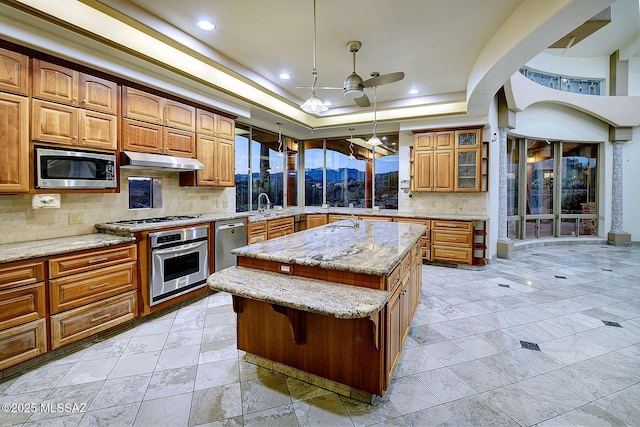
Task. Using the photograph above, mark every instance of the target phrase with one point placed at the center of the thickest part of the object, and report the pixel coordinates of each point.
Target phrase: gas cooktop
(156, 220)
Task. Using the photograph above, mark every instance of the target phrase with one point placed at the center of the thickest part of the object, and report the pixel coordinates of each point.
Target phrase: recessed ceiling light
(414, 91)
(285, 76)
(206, 25)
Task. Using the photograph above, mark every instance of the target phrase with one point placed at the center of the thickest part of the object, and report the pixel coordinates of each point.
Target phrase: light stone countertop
(311, 295)
(374, 248)
(40, 248)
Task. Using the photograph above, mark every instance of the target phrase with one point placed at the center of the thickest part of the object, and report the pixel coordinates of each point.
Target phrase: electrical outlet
(76, 218)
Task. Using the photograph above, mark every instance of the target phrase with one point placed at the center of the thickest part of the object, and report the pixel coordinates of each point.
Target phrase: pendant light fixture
(314, 104)
(351, 156)
(280, 152)
(374, 140)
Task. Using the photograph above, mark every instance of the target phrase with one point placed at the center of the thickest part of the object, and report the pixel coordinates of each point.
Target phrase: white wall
(634, 77)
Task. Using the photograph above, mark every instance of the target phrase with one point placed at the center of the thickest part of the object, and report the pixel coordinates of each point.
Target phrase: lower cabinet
(73, 325)
(315, 220)
(279, 227)
(256, 232)
(453, 241)
(91, 291)
(23, 323)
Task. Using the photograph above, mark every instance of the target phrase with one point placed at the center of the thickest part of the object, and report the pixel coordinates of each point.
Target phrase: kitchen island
(335, 301)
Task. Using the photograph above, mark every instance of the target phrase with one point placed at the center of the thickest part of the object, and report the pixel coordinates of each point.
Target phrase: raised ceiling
(444, 48)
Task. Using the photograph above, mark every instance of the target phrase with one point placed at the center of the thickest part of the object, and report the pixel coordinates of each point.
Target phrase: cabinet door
(444, 140)
(98, 94)
(178, 143)
(14, 155)
(225, 127)
(22, 343)
(98, 130)
(14, 72)
(443, 170)
(394, 338)
(423, 141)
(54, 123)
(316, 220)
(55, 83)
(423, 172)
(141, 137)
(140, 105)
(206, 153)
(179, 116)
(22, 304)
(467, 170)
(205, 122)
(468, 138)
(225, 163)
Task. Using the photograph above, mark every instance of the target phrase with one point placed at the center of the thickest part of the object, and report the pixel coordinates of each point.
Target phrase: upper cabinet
(209, 123)
(153, 124)
(14, 73)
(14, 156)
(73, 108)
(63, 85)
(447, 160)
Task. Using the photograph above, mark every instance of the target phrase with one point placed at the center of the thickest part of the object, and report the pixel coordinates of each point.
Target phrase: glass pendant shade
(374, 140)
(314, 105)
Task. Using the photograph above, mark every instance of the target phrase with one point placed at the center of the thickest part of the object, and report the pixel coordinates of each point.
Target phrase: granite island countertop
(374, 248)
(311, 295)
(41, 248)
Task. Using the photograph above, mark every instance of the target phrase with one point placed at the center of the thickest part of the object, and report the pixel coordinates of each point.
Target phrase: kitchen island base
(318, 381)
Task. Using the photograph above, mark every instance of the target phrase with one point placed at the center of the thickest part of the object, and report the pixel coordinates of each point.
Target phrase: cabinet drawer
(257, 227)
(22, 343)
(457, 225)
(272, 224)
(452, 254)
(84, 288)
(90, 319)
(21, 305)
(255, 238)
(77, 263)
(21, 273)
(453, 238)
(338, 217)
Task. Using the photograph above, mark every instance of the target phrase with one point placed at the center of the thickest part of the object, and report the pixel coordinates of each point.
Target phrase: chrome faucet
(260, 207)
(354, 220)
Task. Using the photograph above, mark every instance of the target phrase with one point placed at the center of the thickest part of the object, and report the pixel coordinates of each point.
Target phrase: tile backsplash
(19, 222)
(444, 203)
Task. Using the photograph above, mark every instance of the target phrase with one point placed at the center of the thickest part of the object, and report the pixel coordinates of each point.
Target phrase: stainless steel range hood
(132, 160)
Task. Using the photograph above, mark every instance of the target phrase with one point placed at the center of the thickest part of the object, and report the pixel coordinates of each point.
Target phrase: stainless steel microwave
(74, 169)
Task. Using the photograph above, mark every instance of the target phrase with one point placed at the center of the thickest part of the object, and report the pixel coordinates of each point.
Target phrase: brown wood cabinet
(153, 124)
(23, 332)
(279, 227)
(447, 161)
(315, 220)
(72, 325)
(14, 156)
(14, 73)
(218, 157)
(212, 124)
(62, 124)
(63, 85)
(256, 232)
(452, 241)
(91, 291)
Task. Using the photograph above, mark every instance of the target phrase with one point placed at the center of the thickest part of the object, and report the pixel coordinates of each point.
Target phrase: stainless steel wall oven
(179, 262)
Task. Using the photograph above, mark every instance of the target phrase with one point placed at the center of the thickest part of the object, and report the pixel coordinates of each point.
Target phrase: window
(346, 178)
(387, 168)
(567, 209)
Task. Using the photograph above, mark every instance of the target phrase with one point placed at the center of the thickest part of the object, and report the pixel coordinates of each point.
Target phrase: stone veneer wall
(19, 222)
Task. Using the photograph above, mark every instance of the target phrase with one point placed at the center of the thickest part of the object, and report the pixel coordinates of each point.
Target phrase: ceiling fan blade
(383, 79)
(317, 87)
(363, 101)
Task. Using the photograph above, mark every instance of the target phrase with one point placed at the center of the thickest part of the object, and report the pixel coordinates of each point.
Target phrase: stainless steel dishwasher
(229, 234)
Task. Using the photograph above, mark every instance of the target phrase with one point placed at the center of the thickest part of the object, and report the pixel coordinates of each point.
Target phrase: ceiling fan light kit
(314, 105)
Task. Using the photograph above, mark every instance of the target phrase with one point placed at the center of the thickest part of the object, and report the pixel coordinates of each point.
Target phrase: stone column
(505, 244)
(617, 236)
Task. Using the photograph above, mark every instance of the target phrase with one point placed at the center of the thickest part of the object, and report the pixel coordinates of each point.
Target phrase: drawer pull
(101, 285)
(97, 260)
(96, 319)
(451, 255)
(451, 238)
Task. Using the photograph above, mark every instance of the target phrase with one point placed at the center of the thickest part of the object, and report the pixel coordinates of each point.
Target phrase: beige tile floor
(463, 363)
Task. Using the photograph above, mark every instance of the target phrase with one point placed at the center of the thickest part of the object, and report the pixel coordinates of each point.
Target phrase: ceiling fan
(354, 86)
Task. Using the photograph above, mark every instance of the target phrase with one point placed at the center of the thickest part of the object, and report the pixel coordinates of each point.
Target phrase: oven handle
(178, 249)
